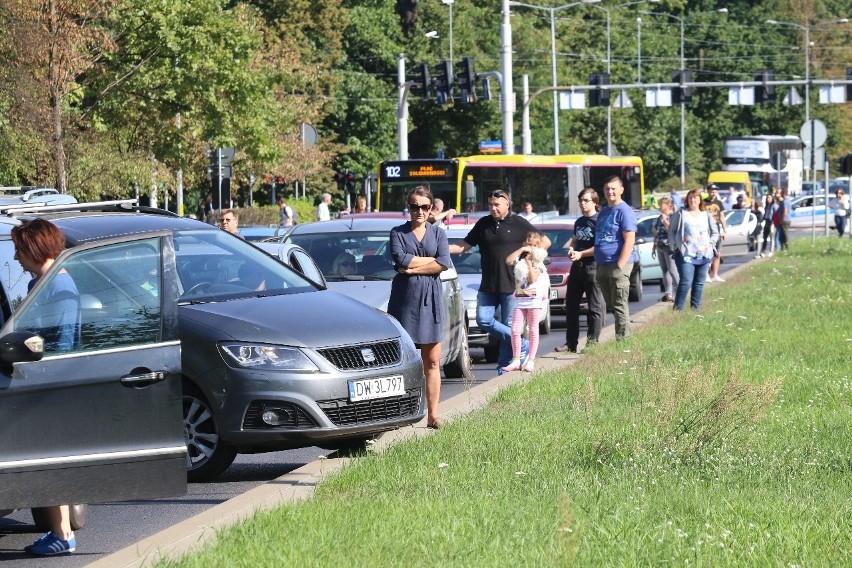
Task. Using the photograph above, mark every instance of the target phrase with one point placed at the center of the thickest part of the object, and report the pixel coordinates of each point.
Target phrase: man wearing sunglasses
(498, 235)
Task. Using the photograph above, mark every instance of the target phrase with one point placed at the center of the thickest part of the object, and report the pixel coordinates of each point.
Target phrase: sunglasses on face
(425, 207)
(586, 200)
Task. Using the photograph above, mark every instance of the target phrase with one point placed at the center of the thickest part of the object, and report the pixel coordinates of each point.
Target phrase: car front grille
(344, 413)
(292, 416)
(357, 357)
(556, 279)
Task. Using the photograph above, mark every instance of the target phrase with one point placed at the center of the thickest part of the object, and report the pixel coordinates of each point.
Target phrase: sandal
(514, 365)
(435, 424)
(529, 367)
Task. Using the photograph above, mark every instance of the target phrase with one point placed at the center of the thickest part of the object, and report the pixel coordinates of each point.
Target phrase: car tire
(635, 294)
(492, 353)
(79, 514)
(545, 323)
(207, 454)
(460, 367)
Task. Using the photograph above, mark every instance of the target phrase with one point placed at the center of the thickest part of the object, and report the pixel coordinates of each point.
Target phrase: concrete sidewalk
(299, 484)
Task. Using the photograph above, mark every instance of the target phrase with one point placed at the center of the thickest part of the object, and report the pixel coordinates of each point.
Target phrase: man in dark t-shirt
(498, 235)
(583, 277)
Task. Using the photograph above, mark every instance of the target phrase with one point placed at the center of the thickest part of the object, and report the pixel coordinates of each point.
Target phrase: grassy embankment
(713, 438)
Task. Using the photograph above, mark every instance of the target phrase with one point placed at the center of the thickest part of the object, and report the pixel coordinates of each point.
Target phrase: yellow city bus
(550, 183)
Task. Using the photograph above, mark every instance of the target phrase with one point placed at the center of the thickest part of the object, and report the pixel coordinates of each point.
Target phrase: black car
(270, 360)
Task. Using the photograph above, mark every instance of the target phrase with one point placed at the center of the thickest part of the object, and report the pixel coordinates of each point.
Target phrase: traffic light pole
(506, 92)
(219, 173)
(402, 108)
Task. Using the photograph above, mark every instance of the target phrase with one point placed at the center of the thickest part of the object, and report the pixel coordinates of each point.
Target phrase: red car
(559, 231)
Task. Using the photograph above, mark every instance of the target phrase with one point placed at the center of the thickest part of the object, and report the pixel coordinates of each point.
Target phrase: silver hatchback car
(362, 241)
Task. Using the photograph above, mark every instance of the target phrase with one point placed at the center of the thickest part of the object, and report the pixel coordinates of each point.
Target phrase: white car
(803, 214)
(740, 237)
(645, 247)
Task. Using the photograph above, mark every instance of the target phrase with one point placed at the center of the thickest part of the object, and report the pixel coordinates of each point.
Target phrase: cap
(712, 186)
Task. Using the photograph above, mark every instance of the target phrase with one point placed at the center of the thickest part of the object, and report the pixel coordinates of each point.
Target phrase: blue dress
(417, 301)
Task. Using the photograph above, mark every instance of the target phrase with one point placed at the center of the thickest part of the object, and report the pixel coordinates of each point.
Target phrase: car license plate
(379, 387)
(553, 295)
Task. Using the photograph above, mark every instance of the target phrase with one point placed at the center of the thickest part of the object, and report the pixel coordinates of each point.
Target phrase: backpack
(293, 215)
(776, 218)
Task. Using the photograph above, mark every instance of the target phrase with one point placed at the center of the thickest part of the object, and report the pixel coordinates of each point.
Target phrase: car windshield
(467, 262)
(559, 238)
(351, 255)
(216, 266)
(736, 216)
(644, 229)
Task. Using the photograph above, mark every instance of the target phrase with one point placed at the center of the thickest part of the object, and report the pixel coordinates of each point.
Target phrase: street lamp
(553, 57)
(609, 62)
(449, 4)
(807, 30)
(683, 105)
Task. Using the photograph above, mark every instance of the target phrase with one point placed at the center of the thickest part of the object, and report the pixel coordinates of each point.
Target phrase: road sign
(819, 158)
(814, 133)
(778, 161)
(491, 146)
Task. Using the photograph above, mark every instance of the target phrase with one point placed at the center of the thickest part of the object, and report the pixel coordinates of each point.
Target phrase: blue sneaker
(500, 371)
(525, 351)
(51, 545)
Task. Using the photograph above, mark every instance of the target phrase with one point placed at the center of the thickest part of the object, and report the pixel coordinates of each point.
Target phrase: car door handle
(142, 379)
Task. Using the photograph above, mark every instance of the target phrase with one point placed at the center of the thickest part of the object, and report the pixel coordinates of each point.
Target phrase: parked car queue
(270, 360)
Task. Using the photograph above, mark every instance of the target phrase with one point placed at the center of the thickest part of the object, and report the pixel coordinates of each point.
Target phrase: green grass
(713, 438)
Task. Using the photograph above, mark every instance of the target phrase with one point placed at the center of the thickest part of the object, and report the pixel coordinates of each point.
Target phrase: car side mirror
(641, 241)
(21, 347)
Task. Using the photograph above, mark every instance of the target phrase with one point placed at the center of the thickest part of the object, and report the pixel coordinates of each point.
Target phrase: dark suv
(270, 360)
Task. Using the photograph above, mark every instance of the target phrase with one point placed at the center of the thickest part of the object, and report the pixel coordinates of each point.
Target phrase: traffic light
(466, 79)
(849, 85)
(444, 82)
(340, 179)
(764, 93)
(350, 181)
(682, 95)
(423, 85)
(599, 97)
(844, 164)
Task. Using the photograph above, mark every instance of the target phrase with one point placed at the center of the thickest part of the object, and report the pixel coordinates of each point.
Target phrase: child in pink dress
(531, 288)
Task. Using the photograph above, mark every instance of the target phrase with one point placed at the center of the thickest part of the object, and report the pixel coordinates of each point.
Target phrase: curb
(299, 484)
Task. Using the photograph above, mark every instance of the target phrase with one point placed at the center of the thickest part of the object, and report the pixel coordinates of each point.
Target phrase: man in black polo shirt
(498, 235)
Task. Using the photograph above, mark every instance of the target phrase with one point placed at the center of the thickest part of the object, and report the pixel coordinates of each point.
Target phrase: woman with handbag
(693, 236)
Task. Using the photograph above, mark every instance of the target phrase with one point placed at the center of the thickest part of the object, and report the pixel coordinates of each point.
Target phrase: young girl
(531, 286)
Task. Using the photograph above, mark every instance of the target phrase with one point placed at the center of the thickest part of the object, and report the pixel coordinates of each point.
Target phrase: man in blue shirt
(614, 239)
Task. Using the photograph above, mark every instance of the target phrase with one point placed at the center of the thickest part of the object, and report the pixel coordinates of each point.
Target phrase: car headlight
(266, 357)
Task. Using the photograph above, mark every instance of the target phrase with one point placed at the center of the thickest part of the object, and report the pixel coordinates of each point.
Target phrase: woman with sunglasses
(420, 253)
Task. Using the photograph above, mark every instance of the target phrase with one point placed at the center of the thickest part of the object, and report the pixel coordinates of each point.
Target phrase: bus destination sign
(418, 170)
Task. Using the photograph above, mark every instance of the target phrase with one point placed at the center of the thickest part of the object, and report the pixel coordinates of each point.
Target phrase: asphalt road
(114, 526)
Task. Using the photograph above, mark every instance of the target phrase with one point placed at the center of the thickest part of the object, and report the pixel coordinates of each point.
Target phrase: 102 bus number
(392, 171)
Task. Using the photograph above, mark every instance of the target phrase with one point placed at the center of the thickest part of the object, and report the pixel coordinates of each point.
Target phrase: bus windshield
(549, 183)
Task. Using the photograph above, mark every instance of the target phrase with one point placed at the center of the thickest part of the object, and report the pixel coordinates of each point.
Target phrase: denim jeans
(486, 305)
(840, 223)
(692, 277)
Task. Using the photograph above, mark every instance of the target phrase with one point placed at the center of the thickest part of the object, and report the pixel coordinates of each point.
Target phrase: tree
(48, 44)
